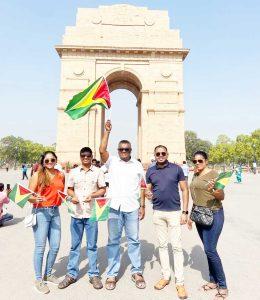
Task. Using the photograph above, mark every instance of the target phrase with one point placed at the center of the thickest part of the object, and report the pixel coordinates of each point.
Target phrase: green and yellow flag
(223, 179)
(70, 207)
(20, 195)
(100, 210)
(95, 94)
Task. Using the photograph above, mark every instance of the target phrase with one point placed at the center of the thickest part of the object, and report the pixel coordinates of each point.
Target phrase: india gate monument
(135, 49)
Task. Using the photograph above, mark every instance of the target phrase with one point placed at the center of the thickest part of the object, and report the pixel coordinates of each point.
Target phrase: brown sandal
(222, 294)
(139, 283)
(206, 287)
(110, 283)
(68, 280)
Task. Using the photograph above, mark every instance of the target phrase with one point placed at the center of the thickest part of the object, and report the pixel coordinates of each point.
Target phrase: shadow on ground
(196, 259)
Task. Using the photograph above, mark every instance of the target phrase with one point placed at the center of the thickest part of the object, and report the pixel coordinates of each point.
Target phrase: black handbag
(202, 215)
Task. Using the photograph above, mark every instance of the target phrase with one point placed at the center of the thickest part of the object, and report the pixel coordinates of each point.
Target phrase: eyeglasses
(52, 160)
(200, 161)
(124, 149)
(157, 154)
(85, 155)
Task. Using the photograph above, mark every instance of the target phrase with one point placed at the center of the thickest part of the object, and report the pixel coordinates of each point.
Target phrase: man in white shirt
(84, 183)
(126, 208)
(185, 169)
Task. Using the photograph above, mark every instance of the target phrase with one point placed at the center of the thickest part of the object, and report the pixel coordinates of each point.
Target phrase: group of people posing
(127, 208)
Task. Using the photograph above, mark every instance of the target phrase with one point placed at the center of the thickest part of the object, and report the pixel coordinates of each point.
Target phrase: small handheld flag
(20, 195)
(100, 209)
(96, 93)
(64, 199)
(223, 179)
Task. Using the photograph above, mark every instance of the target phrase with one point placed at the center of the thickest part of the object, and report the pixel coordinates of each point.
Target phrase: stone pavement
(239, 248)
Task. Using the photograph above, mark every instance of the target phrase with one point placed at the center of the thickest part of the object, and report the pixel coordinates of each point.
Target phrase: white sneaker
(51, 279)
(41, 287)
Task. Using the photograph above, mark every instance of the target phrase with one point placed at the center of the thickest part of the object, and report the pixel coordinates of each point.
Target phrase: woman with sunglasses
(46, 183)
(203, 194)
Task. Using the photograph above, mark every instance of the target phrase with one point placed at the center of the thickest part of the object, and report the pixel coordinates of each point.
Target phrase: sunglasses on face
(199, 161)
(52, 160)
(157, 154)
(85, 155)
(124, 149)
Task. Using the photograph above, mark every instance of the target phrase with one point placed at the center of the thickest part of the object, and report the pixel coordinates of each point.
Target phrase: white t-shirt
(124, 183)
(185, 169)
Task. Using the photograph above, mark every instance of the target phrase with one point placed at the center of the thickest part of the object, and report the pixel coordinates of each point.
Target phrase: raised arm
(104, 155)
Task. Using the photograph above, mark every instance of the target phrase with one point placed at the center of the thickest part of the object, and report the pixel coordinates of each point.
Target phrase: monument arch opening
(125, 88)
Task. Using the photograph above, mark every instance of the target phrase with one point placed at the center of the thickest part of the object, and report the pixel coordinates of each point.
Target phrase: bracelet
(142, 206)
(185, 212)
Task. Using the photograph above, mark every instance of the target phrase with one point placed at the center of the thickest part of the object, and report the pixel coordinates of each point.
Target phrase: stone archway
(134, 48)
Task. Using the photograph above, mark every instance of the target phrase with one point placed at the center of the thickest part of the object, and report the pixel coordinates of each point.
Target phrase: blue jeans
(118, 220)
(5, 218)
(209, 237)
(77, 227)
(48, 226)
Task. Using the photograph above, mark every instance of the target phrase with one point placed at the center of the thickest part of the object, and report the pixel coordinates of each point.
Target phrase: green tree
(17, 150)
(193, 144)
(223, 139)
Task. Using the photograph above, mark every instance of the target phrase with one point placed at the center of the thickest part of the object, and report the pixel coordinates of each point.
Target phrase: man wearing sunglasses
(85, 183)
(126, 208)
(163, 181)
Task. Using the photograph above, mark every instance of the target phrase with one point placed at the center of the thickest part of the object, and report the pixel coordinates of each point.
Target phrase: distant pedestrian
(239, 174)
(7, 167)
(4, 200)
(94, 162)
(185, 169)
(254, 167)
(24, 171)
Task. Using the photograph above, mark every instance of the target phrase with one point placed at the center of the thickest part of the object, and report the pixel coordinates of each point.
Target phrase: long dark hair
(43, 177)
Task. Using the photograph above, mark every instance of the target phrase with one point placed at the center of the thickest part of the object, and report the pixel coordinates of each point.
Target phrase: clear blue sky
(222, 71)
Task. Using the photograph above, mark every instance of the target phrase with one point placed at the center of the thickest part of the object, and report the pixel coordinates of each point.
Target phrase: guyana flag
(96, 93)
(70, 207)
(20, 195)
(100, 209)
(223, 179)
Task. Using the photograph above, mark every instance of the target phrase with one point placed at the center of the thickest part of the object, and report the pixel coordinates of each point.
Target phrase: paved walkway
(239, 248)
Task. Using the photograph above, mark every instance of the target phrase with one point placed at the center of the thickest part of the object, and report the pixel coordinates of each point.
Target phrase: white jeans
(168, 223)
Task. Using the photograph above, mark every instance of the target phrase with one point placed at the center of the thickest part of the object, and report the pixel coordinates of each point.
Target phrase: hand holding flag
(66, 200)
(223, 179)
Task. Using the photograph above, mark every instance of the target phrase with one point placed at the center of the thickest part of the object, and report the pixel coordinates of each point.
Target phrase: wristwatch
(185, 212)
